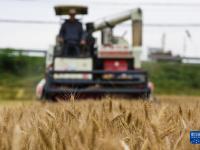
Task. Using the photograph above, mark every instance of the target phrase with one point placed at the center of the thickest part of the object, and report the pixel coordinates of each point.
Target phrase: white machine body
(73, 64)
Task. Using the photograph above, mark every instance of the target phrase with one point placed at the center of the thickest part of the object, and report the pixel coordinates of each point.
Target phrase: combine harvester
(114, 68)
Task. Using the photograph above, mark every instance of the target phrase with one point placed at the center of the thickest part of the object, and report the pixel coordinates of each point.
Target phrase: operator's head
(72, 13)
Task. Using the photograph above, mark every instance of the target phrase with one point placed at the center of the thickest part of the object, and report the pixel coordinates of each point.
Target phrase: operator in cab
(71, 35)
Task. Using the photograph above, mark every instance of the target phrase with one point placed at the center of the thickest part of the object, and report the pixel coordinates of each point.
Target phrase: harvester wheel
(46, 96)
(146, 96)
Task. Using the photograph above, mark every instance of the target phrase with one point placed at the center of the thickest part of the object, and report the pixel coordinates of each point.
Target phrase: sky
(41, 36)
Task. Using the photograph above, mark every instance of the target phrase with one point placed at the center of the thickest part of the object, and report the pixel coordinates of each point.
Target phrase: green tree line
(18, 64)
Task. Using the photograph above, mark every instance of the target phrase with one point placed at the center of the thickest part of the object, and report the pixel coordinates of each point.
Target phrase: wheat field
(109, 124)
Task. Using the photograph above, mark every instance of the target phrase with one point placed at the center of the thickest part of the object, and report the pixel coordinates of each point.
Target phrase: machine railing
(137, 77)
(99, 72)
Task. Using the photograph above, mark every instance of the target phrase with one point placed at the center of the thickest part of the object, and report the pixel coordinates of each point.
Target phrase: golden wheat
(108, 124)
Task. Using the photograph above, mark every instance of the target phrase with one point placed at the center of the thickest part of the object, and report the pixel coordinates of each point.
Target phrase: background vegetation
(174, 78)
(19, 75)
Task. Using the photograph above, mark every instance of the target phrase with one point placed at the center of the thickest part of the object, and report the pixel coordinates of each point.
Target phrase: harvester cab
(110, 69)
(71, 32)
